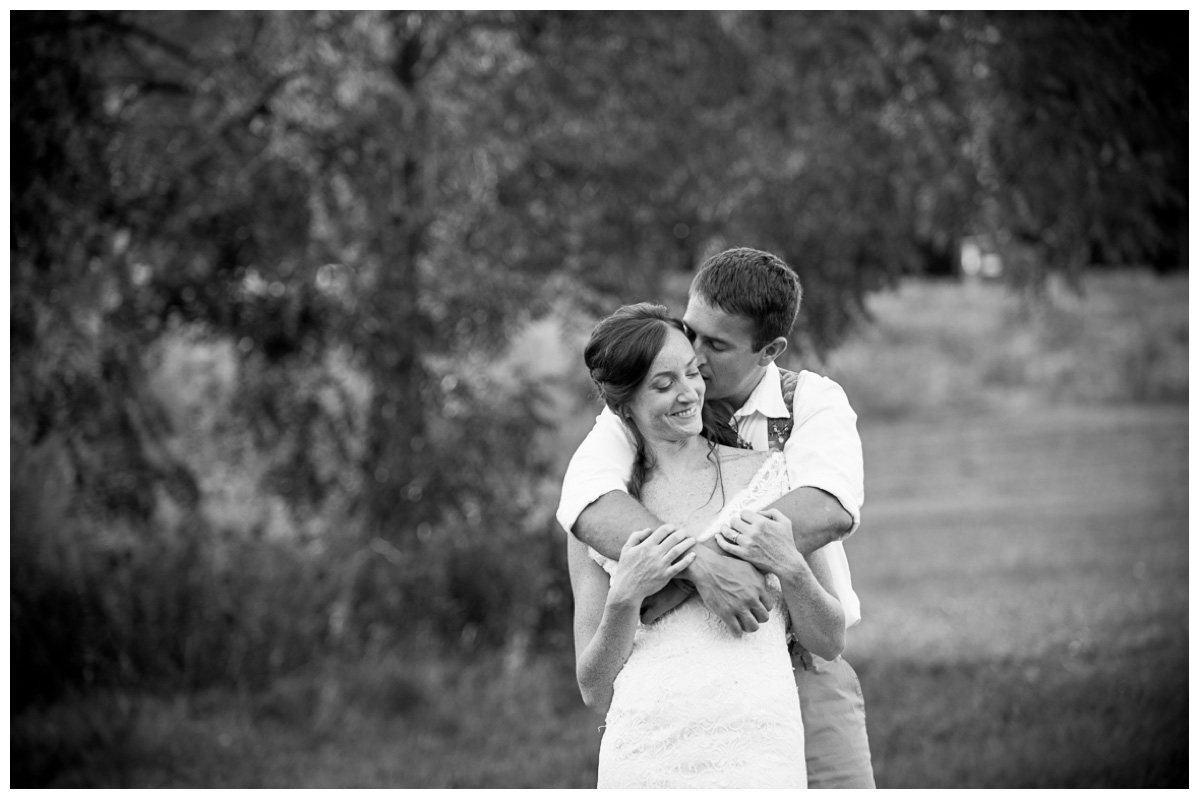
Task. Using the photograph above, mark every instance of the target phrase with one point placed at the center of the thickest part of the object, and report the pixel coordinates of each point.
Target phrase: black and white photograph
(598, 399)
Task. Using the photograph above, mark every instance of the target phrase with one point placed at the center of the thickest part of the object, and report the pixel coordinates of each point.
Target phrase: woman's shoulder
(740, 465)
(729, 454)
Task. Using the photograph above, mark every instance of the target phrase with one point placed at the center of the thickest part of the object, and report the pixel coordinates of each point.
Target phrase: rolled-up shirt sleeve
(824, 450)
(601, 464)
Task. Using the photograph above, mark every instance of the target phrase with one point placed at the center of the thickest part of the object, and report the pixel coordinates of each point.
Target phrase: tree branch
(113, 23)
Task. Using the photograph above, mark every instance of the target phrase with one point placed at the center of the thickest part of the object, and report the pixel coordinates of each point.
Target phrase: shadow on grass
(82, 741)
(1106, 720)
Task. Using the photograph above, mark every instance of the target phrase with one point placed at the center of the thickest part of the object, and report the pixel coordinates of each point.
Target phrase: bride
(689, 704)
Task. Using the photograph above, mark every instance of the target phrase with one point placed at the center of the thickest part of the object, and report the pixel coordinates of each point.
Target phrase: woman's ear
(772, 351)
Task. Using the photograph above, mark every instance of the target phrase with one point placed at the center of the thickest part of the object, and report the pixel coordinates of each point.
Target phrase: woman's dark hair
(618, 355)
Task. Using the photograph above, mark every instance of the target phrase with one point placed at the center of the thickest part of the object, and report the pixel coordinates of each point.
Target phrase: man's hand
(733, 590)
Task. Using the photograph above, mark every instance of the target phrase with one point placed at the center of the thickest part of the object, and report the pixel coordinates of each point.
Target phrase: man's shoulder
(609, 422)
(807, 376)
(806, 379)
(810, 387)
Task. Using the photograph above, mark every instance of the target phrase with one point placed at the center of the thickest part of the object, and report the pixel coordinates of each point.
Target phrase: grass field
(1023, 568)
(1024, 579)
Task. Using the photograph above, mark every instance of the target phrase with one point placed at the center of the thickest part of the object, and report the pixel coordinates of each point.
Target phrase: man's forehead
(710, 321)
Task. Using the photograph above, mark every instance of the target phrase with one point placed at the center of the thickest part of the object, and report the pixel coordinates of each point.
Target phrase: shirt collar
(767, 397)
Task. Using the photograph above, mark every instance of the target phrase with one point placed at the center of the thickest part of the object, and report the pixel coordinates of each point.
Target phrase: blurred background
(297, 303)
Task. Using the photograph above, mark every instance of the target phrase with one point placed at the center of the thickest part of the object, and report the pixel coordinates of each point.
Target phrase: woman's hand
(764, 539)
(649, 560)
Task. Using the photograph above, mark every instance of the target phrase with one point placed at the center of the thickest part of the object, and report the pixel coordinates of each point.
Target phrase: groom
(741, 307)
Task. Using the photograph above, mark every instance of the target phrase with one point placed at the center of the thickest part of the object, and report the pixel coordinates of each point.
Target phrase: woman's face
(667, 405)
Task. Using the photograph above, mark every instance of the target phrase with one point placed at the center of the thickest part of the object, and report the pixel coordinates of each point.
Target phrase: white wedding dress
(697, 707)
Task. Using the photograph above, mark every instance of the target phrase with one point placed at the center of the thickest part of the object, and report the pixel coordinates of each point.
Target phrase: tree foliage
(363, 206)
(1082, 117)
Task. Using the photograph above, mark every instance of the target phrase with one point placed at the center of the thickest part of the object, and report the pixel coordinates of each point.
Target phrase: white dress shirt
(823, 451)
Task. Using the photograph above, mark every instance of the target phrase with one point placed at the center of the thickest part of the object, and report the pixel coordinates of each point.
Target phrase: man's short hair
(755, 285)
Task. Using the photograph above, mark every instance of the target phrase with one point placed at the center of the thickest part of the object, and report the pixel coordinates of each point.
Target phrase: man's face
(731, 368)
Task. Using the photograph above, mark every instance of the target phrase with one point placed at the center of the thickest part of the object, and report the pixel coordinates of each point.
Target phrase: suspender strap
(718, 416)
(780, 428)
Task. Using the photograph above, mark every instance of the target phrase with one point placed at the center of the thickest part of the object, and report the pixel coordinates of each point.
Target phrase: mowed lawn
(1024, 579)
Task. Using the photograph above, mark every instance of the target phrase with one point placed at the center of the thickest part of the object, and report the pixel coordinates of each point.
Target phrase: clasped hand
(735, 588)
(649, 559)
(763, 539)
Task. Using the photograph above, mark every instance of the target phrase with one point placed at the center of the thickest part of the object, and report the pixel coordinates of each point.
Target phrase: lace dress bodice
(696, 706)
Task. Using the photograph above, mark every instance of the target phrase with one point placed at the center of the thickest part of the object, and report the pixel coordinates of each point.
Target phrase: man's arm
(825, 463)
(824, 457)
(605, 525)
(597, 509)
(732, 589)
(817, 517)
(819, 522)
(594, 504)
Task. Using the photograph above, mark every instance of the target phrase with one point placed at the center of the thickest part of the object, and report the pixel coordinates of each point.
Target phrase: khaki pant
(835, 724)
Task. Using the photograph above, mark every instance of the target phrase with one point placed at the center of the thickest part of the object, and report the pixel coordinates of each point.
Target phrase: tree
(363, 206)
(1081, 127)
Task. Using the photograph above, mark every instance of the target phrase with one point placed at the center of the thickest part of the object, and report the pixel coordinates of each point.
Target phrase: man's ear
(772, 351)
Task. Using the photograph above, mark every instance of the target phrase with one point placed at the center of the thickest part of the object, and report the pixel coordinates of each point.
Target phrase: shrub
(121, 605)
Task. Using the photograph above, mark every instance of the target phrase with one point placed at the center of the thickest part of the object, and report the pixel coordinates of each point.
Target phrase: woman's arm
(765, 540)
(606, 609)
(602, 640)
(818, 619)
